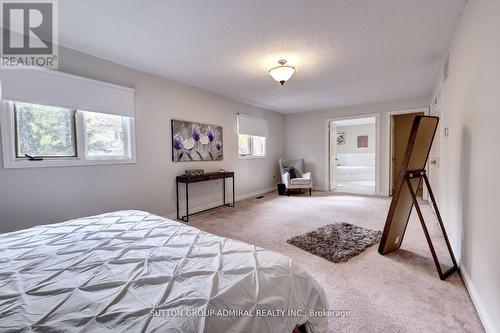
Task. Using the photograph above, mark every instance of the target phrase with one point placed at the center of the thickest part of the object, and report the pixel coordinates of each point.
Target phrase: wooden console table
(203, 178)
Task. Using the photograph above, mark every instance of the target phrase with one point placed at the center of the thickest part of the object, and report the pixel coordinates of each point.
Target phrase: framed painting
(340, 139)
(363, 141)
(192, 141)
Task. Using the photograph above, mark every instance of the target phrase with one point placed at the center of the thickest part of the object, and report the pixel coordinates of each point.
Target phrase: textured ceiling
(346, 51)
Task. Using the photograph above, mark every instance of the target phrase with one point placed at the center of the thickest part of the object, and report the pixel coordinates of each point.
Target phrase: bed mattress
(132, 271)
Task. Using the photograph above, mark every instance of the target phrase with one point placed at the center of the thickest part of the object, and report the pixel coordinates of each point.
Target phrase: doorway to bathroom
(353, 155)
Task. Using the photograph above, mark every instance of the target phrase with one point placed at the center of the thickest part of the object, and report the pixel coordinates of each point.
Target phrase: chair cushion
(300, 181)
(291, 171)
(298, 166)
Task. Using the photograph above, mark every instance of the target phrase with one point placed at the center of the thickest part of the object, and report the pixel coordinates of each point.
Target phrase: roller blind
(252, 125)
(53, 88)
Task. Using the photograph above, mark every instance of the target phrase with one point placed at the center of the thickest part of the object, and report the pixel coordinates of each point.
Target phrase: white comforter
(131, 271)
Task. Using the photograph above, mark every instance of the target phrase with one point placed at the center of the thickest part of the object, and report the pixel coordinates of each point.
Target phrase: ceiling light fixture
(283, 72)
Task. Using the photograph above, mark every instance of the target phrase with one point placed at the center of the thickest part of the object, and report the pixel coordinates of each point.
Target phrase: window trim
(9, 152)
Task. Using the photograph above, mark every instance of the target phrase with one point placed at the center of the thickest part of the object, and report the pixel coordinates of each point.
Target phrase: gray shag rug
(337, 242)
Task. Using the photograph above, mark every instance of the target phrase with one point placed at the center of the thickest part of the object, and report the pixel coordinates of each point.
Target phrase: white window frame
(10, 161)
(251, 156)
(81, 131)
(238, 146)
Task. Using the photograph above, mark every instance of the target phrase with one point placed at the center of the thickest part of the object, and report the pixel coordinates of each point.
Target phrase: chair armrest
(307, 175)
(285, 178)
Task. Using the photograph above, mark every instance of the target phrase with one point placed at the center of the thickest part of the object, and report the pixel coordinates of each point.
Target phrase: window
(245, 145)
(49, 118)
(56, 136)
(252, 137)
(258, 146)
(105, 135)
(252, 146)
(44, 131)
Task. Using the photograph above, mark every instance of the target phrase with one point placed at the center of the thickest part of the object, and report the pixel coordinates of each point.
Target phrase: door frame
(426, 111)
(437, 96)
(330, 150)
(377, 117)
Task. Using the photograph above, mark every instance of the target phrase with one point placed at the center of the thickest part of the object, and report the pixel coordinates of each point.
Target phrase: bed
(349, 173)
(132, 271)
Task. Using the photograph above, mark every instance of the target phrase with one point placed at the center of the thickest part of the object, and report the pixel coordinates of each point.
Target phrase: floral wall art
(340, 139)
(196, 142)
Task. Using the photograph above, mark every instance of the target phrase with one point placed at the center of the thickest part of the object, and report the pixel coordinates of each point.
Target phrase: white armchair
(302, 180)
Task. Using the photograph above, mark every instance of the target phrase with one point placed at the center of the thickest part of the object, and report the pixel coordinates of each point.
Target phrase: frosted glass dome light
(283, 72)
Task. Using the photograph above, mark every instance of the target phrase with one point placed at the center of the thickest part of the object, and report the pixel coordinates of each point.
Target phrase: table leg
(187, 202)
(177, 196)
(224, 191)
(233, 192)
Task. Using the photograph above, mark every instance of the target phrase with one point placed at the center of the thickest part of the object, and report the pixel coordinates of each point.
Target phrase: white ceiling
(346, 51)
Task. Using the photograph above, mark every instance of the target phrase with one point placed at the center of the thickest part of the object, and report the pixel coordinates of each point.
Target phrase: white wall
(351, 135)
(470, 155)
(39, 196)
(306, 136)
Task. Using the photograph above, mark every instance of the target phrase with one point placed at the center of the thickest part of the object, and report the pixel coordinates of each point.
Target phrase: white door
(333, 156)
(434, 154)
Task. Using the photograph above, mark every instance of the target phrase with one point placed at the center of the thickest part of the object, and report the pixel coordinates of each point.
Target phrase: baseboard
(219, 202)
(324, 189)
(485, 318)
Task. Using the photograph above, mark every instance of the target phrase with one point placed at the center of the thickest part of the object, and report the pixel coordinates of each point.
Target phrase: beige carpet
(400, 292)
